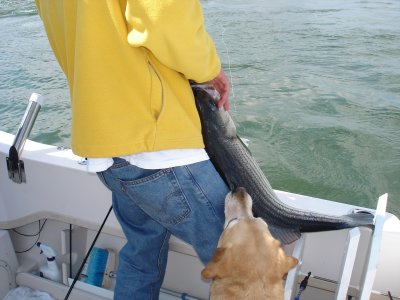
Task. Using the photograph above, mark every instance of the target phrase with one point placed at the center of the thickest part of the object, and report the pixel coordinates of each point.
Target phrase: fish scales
(237, 166)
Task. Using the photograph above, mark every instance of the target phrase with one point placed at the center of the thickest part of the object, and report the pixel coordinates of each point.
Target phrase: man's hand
(221, 84)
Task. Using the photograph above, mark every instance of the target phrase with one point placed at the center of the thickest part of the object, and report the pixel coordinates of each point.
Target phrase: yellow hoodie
(127, 63)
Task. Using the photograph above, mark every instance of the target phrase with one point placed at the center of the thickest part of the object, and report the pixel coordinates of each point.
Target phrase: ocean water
(315, 88)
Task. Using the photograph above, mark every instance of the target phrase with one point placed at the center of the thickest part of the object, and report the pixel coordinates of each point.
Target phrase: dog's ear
(290, 262)
(215, 267)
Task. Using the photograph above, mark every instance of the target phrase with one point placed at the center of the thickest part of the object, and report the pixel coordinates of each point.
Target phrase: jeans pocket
(159, 195)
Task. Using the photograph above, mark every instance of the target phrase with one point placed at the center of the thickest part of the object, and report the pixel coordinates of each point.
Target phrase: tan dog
(249, 263)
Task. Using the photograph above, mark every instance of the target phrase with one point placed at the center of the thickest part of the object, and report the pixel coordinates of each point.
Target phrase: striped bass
(238, 168)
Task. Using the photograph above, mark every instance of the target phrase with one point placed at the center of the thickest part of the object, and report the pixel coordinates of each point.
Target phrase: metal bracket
(15, 166)
(16, 172)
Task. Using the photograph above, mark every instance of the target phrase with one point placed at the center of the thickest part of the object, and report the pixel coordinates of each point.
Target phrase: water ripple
(317, 89)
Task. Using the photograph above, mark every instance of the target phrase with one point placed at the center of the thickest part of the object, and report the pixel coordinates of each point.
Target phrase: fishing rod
(390, 295)
(87, 255)
(303, 286)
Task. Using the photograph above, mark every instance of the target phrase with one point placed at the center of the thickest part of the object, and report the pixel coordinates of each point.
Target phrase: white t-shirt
(152, 160)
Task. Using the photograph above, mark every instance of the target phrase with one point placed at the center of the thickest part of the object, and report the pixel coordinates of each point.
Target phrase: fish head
(213, 118)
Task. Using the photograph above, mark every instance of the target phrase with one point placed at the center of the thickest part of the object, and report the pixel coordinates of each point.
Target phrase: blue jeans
(150, 205)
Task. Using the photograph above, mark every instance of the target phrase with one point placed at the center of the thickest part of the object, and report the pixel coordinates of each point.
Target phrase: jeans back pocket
(159, 195)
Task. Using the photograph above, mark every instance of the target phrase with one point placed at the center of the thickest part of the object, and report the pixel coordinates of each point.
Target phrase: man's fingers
(223, 102)
(221, 84)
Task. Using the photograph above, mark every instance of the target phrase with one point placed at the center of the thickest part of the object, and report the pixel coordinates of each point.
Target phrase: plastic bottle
(50, 270)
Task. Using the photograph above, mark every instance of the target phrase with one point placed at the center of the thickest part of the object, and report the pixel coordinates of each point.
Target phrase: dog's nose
(240, 191)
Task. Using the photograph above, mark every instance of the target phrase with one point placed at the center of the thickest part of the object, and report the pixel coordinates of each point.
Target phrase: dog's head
(247, 251)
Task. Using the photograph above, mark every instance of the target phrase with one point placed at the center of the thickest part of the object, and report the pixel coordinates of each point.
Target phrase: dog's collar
(230, 221)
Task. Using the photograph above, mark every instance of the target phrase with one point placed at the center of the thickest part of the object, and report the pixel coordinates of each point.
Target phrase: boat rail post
(291, 279)
(15, 166)
(371, 265)
(349, 257)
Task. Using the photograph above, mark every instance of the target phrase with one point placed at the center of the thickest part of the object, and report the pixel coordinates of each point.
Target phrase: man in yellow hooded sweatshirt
(128, 64)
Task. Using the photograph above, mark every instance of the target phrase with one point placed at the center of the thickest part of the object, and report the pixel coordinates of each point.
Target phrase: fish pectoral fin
(285, 235)
(244, 145)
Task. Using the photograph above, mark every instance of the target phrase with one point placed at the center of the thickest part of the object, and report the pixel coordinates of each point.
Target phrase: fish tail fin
(285, 235)
(359, 218)
(355, 219)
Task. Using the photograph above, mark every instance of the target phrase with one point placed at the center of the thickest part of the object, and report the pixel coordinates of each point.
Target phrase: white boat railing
(353, 238)
(374, 250)
(291, 279)
(349, 256)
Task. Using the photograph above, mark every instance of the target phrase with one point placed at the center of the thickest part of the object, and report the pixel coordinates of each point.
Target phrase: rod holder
(15, 166)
